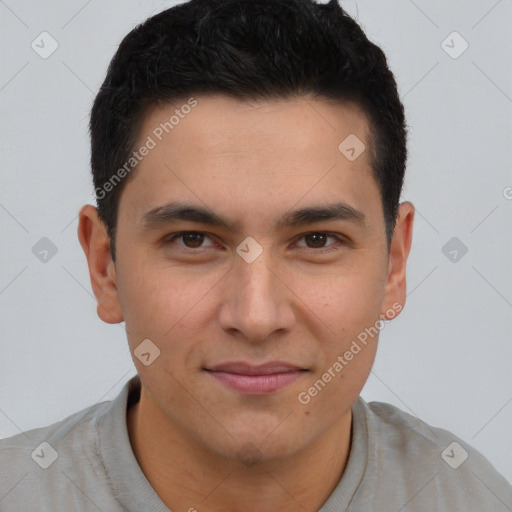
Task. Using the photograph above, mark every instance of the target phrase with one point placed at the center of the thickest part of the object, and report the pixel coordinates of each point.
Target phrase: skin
(200, 444)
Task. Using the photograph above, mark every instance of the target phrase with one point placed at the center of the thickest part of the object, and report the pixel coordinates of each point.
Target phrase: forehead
(219, 124)
(260, 156)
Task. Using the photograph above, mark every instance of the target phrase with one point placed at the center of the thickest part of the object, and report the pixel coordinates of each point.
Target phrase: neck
(190, 477)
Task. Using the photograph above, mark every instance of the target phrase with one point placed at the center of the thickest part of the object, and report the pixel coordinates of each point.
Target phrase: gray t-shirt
(396, 463)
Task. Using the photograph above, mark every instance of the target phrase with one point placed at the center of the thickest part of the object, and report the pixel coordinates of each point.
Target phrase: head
(274, 131)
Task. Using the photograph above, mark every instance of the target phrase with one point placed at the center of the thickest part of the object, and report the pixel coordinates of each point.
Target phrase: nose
(257, 303)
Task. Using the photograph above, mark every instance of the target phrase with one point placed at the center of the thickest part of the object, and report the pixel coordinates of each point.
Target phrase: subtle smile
(256, 379)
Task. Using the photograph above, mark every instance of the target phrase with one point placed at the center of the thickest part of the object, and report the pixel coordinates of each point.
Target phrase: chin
(252, 448)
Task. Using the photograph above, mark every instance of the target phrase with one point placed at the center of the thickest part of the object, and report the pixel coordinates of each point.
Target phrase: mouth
(250, 379)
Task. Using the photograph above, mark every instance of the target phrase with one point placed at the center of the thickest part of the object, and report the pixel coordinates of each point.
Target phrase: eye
(191, 239)
(318, 239)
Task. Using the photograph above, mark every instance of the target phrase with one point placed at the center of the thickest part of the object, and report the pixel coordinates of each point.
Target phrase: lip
(261, 379)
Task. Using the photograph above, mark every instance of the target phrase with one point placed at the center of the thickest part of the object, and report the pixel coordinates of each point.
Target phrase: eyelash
(171, 238)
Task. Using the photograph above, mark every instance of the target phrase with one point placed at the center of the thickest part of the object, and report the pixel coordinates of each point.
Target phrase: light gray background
(446, 359)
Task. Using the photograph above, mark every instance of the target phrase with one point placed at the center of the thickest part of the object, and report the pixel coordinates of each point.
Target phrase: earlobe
(96, 246)
(396, 290)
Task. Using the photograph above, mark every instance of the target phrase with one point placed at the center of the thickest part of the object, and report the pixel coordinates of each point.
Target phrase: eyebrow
(178, 211)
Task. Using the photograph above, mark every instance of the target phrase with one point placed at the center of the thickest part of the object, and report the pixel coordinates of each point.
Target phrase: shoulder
(78, 426)
(410, 460)
(40, 461)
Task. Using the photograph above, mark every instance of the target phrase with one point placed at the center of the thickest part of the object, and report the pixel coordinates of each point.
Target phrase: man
(248, 158)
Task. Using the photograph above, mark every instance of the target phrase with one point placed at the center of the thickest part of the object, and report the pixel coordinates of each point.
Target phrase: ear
(396, 290)
(95, 242)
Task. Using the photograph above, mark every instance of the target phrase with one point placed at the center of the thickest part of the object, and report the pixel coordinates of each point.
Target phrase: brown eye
(315, 240)
(319, 241)
(192, 240)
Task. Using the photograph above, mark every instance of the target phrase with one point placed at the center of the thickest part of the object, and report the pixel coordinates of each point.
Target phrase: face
(251, 251)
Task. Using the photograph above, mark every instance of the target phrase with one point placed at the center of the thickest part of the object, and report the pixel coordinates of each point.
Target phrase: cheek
(345, 366)
(346, 300)
(157, 297)
(169, 306)
(344, 311)
(329, 397)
